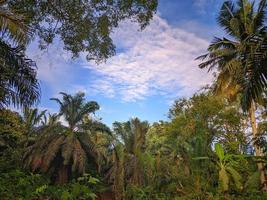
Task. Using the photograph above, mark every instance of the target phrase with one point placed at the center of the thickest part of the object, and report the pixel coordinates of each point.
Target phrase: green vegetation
(202, 152)
(211, 148)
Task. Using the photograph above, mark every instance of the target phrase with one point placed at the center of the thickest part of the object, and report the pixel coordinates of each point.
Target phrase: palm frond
(19, 85)
(12, 27)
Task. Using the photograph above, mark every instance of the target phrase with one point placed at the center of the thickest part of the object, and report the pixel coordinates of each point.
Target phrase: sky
(151, 69)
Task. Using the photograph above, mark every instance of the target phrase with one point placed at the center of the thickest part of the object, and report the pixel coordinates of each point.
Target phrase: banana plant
(226, 164)
(227, 171)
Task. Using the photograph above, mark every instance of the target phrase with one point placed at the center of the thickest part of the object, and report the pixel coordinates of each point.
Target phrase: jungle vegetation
(212, 147)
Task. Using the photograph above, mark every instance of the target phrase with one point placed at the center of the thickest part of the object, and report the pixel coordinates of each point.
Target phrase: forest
(213, 146)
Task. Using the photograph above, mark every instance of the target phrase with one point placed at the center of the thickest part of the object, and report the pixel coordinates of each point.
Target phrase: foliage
(63, 151)
(19, 86)
(127, 166)
(12, 25)
(138, 161)
(32, 118)
(74, 108)
(17, 184)
(83, 26)
(11, 129)
(240, 60)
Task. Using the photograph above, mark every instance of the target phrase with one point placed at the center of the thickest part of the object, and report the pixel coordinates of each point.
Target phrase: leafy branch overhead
(83, 26)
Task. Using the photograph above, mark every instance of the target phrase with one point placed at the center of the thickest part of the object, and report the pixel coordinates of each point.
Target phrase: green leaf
(219, 151)
(201, 158)
(236, 177)
(223, 179)
(93, 180)
(65, 195)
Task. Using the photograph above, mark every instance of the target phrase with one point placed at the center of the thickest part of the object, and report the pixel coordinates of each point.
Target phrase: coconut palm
(66, 151)
(241, 59)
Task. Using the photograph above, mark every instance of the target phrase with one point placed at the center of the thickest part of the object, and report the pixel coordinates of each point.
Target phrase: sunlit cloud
(158, 60)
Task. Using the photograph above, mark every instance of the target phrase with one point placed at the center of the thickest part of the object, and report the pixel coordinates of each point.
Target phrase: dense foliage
(83, 26)
(203, 152)
(212, 147)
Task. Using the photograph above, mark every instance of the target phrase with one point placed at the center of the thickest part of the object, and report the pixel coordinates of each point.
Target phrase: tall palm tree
(101, 137)
(74, 109)
(68, 150)
(241, 59)
(128, 147)
(18, 79)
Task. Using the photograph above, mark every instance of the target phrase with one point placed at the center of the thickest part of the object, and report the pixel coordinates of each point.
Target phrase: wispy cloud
(201, 5)
(158, 60)
(55, 66)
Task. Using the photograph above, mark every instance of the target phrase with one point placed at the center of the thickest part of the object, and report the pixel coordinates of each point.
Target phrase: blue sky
(151, 69)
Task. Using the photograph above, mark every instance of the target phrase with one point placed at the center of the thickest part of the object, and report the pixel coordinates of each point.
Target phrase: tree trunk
(62, 175)
(258, 150)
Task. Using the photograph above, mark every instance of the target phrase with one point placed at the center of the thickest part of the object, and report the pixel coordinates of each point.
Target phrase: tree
(195, 125)
(18, 81)
(74, 109)
(128, 147)
(101, 137)
(11, 129)
(68, 150)
(241, 60)
(83, 26)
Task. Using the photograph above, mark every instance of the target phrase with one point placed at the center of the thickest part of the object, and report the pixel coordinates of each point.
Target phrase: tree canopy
(83, 26)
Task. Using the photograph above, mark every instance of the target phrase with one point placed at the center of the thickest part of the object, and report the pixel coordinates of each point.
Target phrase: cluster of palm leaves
(18, 79)
(241, 59)
(68, 151)
(64, 151)
(128, 148)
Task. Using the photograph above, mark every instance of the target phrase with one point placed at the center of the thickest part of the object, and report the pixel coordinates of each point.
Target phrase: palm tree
(128, 147)
(18, 80)
(32, 119)
(74, 109)
(241, 59)
(65, 151)
(101, 137)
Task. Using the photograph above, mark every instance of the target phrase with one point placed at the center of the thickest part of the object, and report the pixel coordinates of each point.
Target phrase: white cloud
(204, 6)
(158, 60)
(201, 5)
(54, 64)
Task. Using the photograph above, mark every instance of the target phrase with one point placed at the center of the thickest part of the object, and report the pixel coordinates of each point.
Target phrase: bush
(17, 184)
